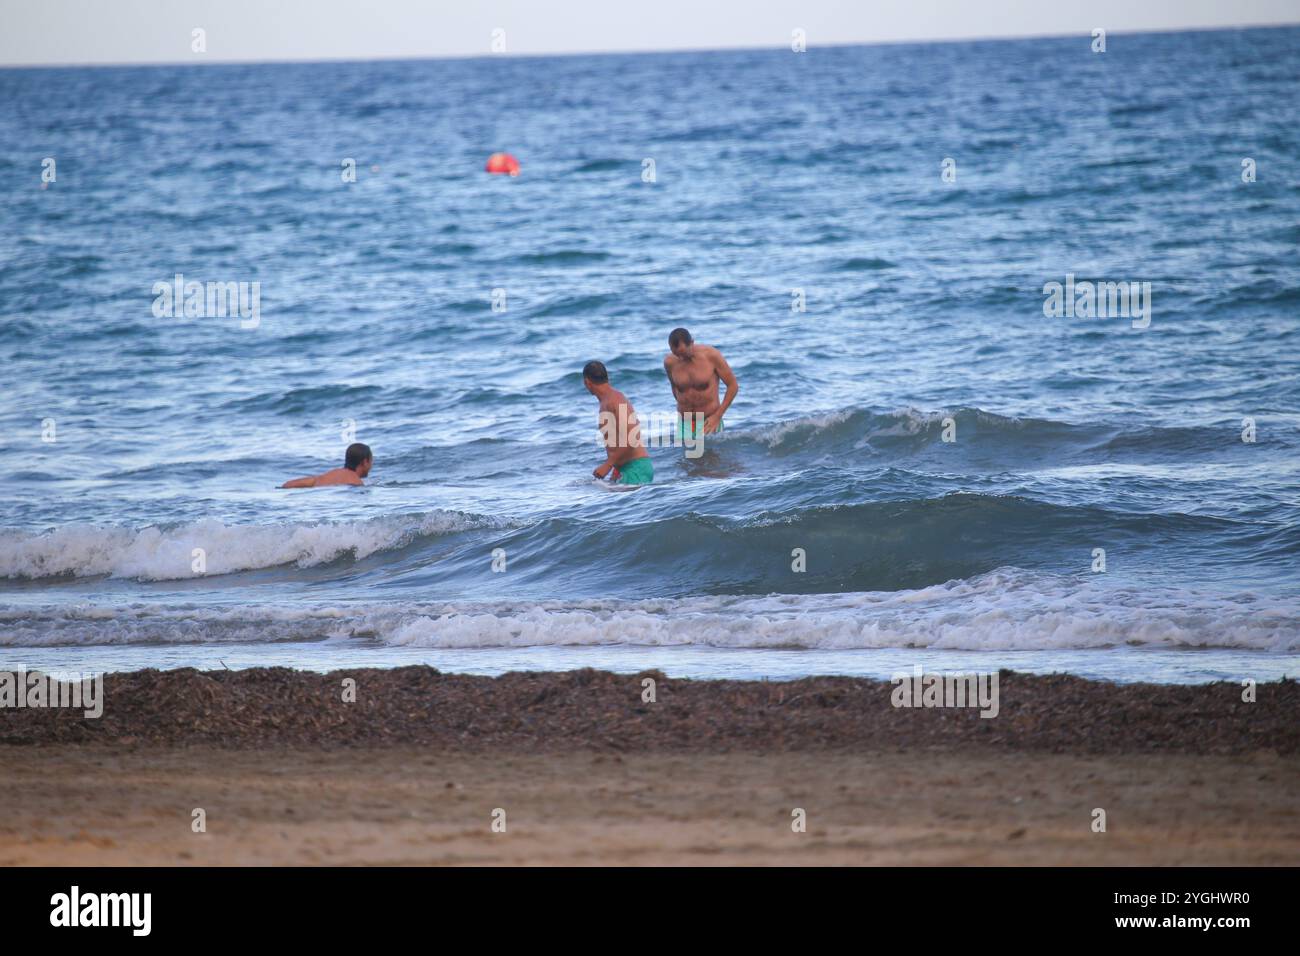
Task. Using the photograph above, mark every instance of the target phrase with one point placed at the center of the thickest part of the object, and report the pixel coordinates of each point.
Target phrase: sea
(945, 451)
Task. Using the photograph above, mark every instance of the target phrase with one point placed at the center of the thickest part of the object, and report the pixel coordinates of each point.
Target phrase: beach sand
(588, 773)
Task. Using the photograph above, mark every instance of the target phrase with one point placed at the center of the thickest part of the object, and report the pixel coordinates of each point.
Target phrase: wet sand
(587, 772)
(409, 806)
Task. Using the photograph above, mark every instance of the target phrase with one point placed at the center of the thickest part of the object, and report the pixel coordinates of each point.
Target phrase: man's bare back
(356, 465)
(620, 428)
(335, 476)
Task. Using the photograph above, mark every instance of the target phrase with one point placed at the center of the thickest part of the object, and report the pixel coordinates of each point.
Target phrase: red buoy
(503, 163)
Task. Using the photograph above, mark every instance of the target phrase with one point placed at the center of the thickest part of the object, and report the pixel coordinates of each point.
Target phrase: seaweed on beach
(598, 710)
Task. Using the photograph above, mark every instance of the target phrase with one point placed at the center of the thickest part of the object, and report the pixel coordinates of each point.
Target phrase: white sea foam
(166, 553)
(989, 613)
(1004, 610)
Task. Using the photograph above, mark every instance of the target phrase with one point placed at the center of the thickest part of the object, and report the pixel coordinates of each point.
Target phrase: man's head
(594, 374)
(681, 343)
(358, 458)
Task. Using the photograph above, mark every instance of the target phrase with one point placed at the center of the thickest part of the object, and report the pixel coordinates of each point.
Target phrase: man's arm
(608, 424)
(609, 464)
(300, 483)
(733, 389)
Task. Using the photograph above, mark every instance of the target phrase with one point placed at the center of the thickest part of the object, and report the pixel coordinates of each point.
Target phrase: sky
(36, 32)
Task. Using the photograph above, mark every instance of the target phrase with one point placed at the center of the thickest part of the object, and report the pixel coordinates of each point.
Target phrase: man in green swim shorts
(694, 372)
(690, 426)
(626, 459)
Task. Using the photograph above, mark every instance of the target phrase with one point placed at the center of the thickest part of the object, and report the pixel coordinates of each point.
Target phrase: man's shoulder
(709, 354)
(339, 476)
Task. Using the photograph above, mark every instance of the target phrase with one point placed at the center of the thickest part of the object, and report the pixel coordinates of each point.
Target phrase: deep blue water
(774, 172)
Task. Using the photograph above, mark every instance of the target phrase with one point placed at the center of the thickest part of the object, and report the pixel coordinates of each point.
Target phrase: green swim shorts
(688, 426)
(638, 471)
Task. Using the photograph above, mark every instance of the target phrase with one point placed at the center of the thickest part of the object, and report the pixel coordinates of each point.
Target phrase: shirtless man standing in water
(694, 372)
(626, 459)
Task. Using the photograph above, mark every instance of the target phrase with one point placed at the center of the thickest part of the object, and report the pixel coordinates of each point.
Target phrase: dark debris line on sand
(589, 709)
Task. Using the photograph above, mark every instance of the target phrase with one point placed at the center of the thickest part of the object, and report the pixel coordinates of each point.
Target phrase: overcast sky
(160, 31)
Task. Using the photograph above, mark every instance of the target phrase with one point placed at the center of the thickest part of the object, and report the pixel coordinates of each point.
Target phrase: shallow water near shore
(775, 173)
(1119, 665)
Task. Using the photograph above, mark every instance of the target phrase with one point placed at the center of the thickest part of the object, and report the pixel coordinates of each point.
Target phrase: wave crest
(167, 553)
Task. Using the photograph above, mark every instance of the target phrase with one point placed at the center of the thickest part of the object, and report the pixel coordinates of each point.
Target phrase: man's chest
(693, 376)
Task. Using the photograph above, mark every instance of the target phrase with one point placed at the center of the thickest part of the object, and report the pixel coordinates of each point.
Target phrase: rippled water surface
(774, 173)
